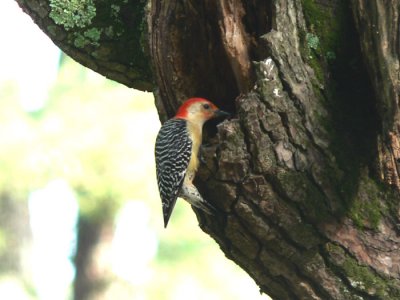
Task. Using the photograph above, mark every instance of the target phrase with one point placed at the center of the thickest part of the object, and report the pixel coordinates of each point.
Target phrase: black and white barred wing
(173, 151)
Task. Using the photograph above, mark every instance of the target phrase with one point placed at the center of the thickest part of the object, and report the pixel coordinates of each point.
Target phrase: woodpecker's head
(199, 110)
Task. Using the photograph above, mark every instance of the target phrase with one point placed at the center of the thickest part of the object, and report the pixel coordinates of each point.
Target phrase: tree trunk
(93, 275)
(15, 233)
(306, 173)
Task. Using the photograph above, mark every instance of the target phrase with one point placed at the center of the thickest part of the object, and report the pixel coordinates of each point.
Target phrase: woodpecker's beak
(220, 113)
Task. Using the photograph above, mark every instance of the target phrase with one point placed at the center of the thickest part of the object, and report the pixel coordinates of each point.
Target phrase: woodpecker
(177, 154)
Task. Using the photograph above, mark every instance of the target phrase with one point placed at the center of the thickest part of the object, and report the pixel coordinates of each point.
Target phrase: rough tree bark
(306, 173)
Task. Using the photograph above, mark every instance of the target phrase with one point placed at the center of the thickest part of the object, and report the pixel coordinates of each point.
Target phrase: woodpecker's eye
(206, 106)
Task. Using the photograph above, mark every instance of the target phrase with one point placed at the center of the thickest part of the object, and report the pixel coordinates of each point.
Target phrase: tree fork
(306, 173)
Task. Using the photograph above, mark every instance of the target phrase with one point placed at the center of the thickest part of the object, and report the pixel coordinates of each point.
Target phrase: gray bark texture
(306, 173)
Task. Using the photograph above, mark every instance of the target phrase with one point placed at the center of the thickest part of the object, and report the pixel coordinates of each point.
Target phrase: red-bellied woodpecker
(177, 154)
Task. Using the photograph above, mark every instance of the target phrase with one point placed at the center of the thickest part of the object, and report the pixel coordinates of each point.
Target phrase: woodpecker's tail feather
(167, 210)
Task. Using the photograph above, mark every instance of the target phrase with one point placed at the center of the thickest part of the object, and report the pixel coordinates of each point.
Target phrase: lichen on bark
(72, 13)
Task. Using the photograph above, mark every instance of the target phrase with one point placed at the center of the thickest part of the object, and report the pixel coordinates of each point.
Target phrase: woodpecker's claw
(201, 157)
(206, 207)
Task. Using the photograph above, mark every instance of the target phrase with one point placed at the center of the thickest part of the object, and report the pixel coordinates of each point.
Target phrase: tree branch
(108, 38)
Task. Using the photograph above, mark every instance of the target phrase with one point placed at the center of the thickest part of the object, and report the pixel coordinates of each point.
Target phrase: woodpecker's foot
(206, 207)
(190, 193)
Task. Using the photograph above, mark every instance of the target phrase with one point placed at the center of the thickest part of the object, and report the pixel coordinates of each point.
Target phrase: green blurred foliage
(99, 136)
(89, 134)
